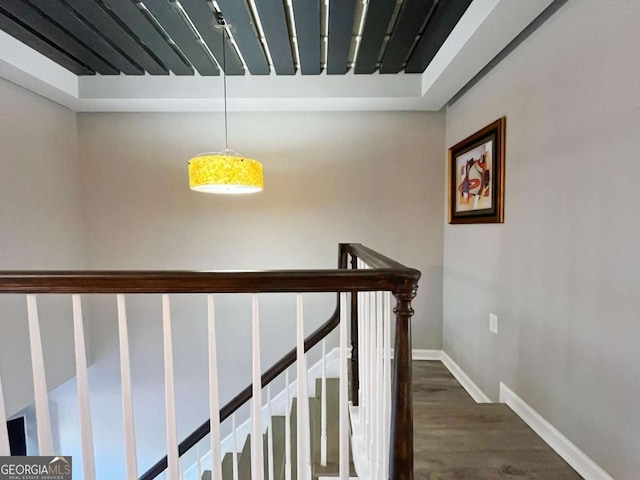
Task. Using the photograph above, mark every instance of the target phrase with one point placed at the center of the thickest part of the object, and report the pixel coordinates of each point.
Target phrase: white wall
(39, 229)
(563, 272)
(373, 178)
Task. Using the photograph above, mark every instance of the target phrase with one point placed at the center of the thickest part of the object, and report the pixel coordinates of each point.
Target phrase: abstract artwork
(476, 176)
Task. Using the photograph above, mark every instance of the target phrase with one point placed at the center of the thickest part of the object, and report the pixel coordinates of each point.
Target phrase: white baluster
(344, 393)
(304, 451)
(214, 406)
(287, 428)
(86, 431)
(323, 408)
(374, 380)
(198, 462)
(270, 434)
(362, 364)
(181, 469)
(173, 459)
(5, 449)
(366, 332)
(257, 454)
(387, 380)
(43, 419)
(380, 393)
(360, 348)
(373, 384)
(234, 454)
(127, 403)
(371, 379)
(360, 354)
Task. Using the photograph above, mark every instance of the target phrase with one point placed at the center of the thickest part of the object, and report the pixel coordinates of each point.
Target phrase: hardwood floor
(456, 438)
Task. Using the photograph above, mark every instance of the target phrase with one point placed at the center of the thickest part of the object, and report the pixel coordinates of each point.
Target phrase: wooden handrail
(372, 258)
(205, 282)
(385, 274)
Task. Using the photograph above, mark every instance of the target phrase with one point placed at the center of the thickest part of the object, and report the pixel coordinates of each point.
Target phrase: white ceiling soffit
(483, 31)
(24, 66)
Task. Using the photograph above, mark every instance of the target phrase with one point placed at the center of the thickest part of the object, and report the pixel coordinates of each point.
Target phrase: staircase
(331, 469)
(365, 284)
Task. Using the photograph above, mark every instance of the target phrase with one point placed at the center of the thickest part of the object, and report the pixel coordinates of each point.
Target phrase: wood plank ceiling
(131, 37)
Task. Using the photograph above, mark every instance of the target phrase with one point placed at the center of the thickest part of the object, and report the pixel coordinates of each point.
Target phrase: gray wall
(373, 178)
(39, 229)
(563, 272)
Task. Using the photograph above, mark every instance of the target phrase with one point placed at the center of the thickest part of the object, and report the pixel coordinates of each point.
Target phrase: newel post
(401, 445)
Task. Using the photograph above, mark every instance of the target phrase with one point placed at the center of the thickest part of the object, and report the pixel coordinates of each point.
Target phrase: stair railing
(370, 282)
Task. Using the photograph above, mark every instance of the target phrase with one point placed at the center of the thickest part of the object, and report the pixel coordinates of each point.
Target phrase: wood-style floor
(456, 438)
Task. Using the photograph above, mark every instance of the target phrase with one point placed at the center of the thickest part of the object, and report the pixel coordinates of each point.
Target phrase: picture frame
(476, 176)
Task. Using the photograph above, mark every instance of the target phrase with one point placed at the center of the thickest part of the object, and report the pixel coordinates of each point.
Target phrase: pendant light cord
(224, 86)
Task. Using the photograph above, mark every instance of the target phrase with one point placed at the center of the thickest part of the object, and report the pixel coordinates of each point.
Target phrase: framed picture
(476, 176)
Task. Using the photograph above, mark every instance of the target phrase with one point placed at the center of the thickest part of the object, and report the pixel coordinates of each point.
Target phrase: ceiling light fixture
(225, 171)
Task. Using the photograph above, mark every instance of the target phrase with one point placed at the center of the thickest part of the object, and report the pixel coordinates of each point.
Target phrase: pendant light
(225, 171)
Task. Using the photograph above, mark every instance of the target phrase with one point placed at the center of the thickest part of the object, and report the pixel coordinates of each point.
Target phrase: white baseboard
(334, 478)
(564, 447)
(423, 354)
(472, 389)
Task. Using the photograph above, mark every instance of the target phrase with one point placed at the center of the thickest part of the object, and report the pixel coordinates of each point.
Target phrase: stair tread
(314, 405)
(278, 422)
(227, 467)
(278, 446)
(332, 467)
(244, 460)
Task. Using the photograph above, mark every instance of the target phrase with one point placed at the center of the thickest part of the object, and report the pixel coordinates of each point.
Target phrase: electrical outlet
(493, 323)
